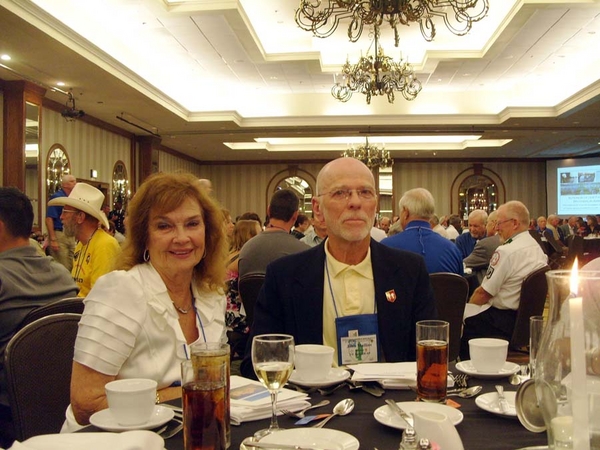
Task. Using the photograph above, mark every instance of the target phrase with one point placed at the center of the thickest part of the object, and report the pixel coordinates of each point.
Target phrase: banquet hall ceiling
(238, 80)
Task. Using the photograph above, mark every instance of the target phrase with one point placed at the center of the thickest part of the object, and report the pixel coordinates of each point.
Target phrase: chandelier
(322, 17)
(376, 75)
(371, 155)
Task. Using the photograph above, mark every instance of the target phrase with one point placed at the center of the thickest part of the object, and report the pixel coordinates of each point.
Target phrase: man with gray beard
(351, 290)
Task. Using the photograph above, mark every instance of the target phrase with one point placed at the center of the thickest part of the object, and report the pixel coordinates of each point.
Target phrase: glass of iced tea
(273, 362)
(432, 360)
(204, 405)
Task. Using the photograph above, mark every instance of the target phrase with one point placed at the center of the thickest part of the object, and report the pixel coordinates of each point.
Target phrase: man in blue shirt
(441, 255)
(61, 246)
(466, 241)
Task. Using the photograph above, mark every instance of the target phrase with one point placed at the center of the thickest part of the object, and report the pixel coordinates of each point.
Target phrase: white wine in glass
(273, 362)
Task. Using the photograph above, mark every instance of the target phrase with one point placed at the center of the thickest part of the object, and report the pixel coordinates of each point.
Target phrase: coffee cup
(488, 355)
(313, 361)
(131, 401)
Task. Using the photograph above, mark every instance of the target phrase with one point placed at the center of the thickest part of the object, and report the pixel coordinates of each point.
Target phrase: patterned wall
(2, 139)
(88, 147)
(170, 163)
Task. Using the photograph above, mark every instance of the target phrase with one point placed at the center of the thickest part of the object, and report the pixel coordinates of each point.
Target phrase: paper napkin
(250, 400)
(400, 375)
(129, 440)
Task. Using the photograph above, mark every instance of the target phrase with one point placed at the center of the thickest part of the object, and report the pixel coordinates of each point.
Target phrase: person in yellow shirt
(96, 250)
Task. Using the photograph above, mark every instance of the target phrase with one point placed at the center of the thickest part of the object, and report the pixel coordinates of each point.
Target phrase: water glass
(536, 326)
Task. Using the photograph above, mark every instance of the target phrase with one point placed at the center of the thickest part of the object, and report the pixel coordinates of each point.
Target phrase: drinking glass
(432, 360)
(536, 326)
(273, 362)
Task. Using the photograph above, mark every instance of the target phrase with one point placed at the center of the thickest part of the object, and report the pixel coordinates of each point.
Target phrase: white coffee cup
(312, 361)
(488, 355)
(131, 401)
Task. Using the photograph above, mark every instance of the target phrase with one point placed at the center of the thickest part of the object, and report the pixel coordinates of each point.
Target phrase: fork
(300, 414)
(461, 381)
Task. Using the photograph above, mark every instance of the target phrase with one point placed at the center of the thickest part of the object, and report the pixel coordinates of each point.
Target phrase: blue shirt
(440, 254)
(55, 211)
(466, 243)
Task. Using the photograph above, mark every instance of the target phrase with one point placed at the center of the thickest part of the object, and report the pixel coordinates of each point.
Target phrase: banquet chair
(451, 292)
(249, 286)
(531, 303)
(66, 305)
(38, 363)
(575, 246)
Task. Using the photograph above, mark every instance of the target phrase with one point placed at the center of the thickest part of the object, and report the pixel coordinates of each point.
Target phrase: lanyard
(185, 345)
(333, 297)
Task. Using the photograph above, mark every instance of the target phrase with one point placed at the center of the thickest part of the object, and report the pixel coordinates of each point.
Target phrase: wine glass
(273, 362)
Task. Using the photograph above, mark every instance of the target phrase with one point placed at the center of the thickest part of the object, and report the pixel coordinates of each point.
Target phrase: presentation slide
(574, 187)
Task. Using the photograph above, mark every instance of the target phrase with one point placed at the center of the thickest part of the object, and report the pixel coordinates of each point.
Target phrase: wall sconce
(93, 174)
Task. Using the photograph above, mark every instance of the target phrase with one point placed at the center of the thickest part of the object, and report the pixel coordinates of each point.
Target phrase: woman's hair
(243, 231)
(162, 193)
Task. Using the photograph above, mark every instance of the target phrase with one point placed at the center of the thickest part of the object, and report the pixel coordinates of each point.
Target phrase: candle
(579, 403)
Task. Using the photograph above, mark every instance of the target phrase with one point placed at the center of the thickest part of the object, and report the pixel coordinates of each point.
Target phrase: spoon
(467, 393)
(341, 409)
(517, 378)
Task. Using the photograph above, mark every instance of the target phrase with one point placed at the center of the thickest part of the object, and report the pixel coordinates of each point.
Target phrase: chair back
(575, 246)
(531, 303)
(72, 305)
(451, 292)
(38, 363)
(249, 286)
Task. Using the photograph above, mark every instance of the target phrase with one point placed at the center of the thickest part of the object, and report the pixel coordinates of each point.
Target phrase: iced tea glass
(204, 405)
(432, 360)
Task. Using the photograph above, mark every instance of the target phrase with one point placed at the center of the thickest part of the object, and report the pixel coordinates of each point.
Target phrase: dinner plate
(105, 420)
(385, 416)
(315, 437)
(506, 371)
(334, 376)
(489, 402)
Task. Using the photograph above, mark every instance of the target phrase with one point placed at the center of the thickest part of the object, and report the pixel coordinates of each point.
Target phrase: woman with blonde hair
(237, 331)
(139, 321)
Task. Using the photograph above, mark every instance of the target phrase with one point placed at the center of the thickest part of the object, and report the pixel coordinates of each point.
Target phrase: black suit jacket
(291, 300)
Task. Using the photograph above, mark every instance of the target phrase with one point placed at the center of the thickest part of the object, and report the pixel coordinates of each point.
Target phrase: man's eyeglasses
(500, 222)
(340, 195)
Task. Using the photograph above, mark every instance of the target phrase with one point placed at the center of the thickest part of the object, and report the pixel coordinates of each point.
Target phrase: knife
(251, 443)
(405, 416)
(502, 402)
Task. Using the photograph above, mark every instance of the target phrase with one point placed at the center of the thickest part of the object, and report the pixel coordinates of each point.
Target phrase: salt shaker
(424, 444)
(409, 440)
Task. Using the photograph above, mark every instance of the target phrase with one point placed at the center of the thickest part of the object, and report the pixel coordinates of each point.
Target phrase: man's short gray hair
(419, 202)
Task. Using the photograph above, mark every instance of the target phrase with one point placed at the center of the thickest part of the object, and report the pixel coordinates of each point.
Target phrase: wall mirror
(477, 192)
(120, 185)
(386, 198)
(32, 159)
(302, 189)
(57, 166)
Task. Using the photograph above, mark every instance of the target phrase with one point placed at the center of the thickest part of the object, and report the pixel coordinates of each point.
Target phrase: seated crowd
(173, 281)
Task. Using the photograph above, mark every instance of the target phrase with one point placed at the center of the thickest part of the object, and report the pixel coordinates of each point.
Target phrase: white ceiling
(202, 73)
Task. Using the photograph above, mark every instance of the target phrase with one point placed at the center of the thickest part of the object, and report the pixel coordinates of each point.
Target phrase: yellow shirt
(94, 259)
(354, 291)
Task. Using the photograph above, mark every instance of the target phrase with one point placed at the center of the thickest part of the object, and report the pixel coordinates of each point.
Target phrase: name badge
(357, 338)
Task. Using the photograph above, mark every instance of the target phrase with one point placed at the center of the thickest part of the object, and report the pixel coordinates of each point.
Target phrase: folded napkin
(250, 400)
(400, 375)
(128, 440)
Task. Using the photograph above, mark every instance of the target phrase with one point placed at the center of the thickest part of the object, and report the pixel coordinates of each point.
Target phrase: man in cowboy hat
(96, 250)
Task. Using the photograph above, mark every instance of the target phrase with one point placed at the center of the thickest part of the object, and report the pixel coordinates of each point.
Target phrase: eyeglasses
(340, 195)
(500, 222)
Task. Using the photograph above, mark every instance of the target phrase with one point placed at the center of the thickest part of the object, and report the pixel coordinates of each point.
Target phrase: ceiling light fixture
(322, 17)
(371, 155)
(71, 112)
(376, 75)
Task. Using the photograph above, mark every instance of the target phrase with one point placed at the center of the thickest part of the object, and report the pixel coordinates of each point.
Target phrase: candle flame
(574, 278)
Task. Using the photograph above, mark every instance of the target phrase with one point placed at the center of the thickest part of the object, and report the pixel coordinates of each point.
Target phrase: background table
(479, 429)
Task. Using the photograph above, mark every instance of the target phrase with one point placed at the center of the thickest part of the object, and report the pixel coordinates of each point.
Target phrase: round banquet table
(479, 429)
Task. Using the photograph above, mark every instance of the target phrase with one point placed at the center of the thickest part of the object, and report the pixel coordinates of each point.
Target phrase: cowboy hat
(85, 198)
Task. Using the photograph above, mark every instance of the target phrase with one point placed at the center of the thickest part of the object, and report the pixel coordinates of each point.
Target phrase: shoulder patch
(489, 272)
(494, 259)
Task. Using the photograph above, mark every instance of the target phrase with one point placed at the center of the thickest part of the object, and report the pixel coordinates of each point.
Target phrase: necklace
(181, 310)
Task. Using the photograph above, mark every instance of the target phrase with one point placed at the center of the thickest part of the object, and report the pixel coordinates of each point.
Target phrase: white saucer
(312, 437)
(385, 416)
(489, 402)
(105, 420)
(334, 376)
(506, 371)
